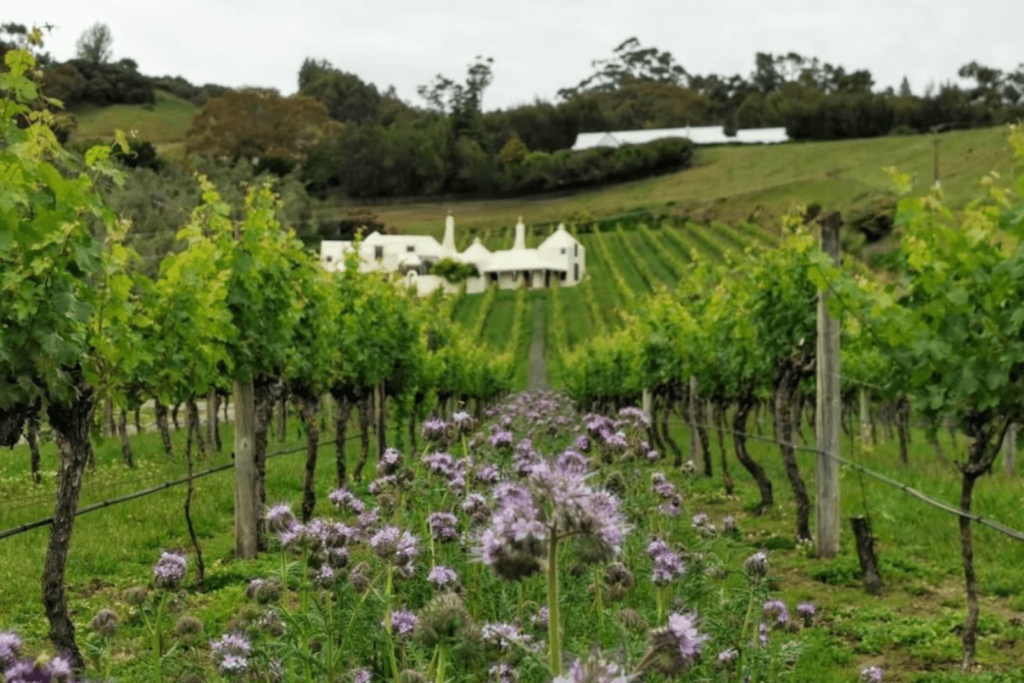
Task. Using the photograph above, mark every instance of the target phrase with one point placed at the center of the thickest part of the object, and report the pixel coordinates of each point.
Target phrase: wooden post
(865, 418)
(282, 421)
(828, 413)
(694, 441)
(866, 555)
(245, 470)
(645, 402)
(1010, 450)
(109, 424)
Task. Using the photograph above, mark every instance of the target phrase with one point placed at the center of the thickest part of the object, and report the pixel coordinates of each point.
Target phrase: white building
(698, 135)
(560, 256)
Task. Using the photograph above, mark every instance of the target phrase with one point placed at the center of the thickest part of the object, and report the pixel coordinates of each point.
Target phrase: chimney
(449, 234)
(520, 242)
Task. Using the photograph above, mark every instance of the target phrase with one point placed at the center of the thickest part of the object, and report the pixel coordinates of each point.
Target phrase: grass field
(732, 184)
(164, 124)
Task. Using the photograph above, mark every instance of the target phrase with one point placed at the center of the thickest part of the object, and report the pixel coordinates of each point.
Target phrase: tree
(630, 62)
(258, 123)
(94, 44)
(347, 98)
(462, 101)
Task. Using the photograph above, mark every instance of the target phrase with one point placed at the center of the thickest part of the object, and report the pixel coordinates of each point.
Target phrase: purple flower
(231, 653)
(638, 417)
(324, 577)
(391, 544)
(361, 676)
(403, 623)
(872, 674)
(10, 648)
(573, 461)
(582, 444)
(345, 501)
(541, 617)
(806, 611)
(728, 655)
(756, 565)
(762, 634)
(729, 524)
(501, 439)
(502, 673)
(440, 463)
(442, 526)
(58, 668)
(486, 474)
(615, 442)
(504, 635)
(699, 520)
(442, 576)
(667, 564)
(593, 670)
(672, 508)
(661, 486)
(684, 629)
(280, 518)
(435, 430)
(462, 421)
(778, 610)
(390, 462)
(169, 571)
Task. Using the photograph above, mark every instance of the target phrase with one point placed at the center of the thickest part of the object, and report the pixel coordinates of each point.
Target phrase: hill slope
(164, 123)
(732, 184)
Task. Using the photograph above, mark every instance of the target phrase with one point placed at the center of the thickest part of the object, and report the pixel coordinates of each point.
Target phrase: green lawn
(164, 123)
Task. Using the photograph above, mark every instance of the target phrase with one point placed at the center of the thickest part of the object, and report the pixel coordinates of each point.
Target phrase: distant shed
(698, 135)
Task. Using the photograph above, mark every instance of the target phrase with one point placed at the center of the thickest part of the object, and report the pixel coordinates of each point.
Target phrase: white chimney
(449, 234)
(520, 242)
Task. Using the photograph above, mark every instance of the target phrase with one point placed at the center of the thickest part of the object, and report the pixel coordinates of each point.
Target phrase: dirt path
(538, 379)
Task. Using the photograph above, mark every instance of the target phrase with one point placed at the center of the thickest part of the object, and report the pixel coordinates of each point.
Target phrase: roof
(377, 238)
(558, 239)
(475, 252)
(521, 259)
(699, 135)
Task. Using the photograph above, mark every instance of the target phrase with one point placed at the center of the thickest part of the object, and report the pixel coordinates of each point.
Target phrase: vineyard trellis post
(828, 414)
(245, 470)
(1010, 449)
(865, 418)
(692, 419)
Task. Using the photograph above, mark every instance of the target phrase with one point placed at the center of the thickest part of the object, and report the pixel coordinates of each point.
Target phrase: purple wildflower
(10, 648)
(231, 653)
(502, 673)
(403, 623)
(462, 421)
(504, 635)
(729, 524)
(699, 521)
(323, 577)
(169, 571)
(345, 501)
(661, 486)
(541, 617)
(806, 611)
(435, 430)
(872, 674)
(728, 655)
(442, 526)
(58, 668)
(778, 610)
(762, 634)
(501, 439)
(486, 474)
(440, 463)
(756, 565)
(582, 444)
(280, 518)
(593, 670)
(442, 576)
(361, 676)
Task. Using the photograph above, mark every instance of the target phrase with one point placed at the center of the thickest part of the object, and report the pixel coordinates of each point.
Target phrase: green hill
(164, 123)
(732, 184)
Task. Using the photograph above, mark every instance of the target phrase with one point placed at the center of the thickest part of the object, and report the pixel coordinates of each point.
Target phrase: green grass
(732, 184)
(164, 123)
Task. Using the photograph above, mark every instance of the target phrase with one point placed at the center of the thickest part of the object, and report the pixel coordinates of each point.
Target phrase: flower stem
(157, 645)
(440, 665)
(554, 645)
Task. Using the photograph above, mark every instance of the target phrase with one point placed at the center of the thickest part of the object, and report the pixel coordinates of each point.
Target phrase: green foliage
(454, 271)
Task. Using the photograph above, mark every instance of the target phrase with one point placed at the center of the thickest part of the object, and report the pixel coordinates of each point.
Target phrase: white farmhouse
(559, 257)
(698, 135)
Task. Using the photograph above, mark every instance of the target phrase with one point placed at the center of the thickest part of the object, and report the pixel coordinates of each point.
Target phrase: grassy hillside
(731, 184)
(164, 123)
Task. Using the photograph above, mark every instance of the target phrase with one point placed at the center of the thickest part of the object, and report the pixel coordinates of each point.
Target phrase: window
(576, 272)
(563, 252)
(378, 252)
(515, 276)
(411, 249)
(329, 259)
(576, 251)
(494, 277)
(561, 276)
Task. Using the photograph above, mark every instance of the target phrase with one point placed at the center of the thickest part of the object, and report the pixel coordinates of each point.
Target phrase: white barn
(698, 135)
(560, 257)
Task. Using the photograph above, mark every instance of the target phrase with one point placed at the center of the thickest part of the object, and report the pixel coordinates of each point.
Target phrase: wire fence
(885, 479)
(163, 486)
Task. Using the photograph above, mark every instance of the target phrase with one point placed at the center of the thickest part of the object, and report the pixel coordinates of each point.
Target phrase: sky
(538, 46)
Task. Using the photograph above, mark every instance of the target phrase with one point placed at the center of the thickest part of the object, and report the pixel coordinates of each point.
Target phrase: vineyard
(328, 479)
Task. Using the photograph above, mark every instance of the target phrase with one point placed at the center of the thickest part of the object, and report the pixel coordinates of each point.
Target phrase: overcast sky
(538, 46)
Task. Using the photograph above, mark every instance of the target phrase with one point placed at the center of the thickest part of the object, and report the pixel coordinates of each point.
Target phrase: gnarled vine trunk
(739, 425)
(266, 391)
(340, 438)
(161, 424)
(784, 435)
(901, 413)
(122, 433)
(307, 406)
(32, 436)
(666, 435)
(194, 428)
(71, 422)
(365, 410)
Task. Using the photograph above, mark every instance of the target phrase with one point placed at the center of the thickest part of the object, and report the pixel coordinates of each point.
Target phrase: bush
(454, 271)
